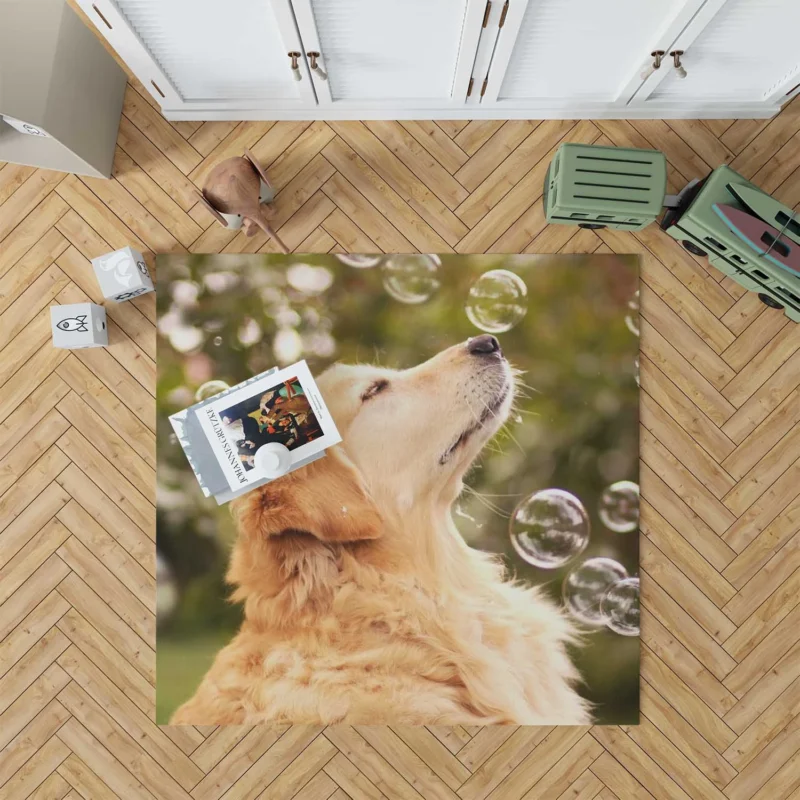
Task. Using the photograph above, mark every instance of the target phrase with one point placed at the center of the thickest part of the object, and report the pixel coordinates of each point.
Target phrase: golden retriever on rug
(362, 602)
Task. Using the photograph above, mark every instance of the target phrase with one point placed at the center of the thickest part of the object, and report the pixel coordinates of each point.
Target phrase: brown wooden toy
(233, 189)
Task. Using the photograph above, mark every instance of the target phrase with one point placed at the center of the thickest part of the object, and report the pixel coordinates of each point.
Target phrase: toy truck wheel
(693, 248)
(592, 226)
(769, 301)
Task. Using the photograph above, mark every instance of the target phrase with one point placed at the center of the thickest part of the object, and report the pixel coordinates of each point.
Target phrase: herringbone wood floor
(720, 471)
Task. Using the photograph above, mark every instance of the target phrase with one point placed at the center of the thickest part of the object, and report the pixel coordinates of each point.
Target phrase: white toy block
(122, 274)
(78, 325)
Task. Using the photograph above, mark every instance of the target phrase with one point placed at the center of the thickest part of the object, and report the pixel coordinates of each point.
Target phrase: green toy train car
(623, 188)
(702, 232)
(605, 187)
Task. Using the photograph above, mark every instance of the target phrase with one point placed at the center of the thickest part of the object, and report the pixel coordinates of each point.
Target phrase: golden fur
(362, 602)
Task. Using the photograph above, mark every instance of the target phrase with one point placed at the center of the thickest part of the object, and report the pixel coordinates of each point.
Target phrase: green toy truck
(598, 187)
(696, 225)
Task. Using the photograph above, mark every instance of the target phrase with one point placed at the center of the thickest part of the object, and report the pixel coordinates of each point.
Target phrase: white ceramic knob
(679, 70)
(273, 459)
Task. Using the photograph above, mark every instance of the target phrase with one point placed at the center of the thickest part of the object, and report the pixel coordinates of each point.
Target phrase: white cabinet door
(562, 54)
(735, 51)
(387, 54)
(208, 54)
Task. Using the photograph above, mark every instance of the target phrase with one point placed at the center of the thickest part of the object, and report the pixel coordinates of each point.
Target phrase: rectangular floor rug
(467, 554)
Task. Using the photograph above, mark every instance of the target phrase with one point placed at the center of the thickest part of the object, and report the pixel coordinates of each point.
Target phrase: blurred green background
(228, 317)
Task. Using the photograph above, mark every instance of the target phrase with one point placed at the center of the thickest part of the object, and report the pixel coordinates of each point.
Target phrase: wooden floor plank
(437, 143)
(159, 131)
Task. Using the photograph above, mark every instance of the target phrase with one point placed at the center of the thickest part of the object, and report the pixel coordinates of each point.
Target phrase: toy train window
(714, 243)
(759, 274)
(578, 214)
(737, 259)
(790, 295)
(781, 248)
(791, 225)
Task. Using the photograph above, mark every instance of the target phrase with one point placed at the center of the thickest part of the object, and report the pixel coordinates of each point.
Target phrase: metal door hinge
(483, 88)
(503, 15)
(469, 87)
(486, 13)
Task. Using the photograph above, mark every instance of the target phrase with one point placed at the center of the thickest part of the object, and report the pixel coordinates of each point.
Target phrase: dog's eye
(375, 388)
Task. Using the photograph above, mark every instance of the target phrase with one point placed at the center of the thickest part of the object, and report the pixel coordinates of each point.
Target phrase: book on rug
(222, 434)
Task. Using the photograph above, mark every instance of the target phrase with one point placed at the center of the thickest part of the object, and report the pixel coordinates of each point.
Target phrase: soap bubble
(620, 607)
(632, 319)
(585, 586)
(549, 528)
(358, 260)
(411, 278)
(619, 507)
(496, 301)
(209, 389)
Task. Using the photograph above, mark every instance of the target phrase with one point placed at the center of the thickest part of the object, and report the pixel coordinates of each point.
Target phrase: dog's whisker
(472, 410)
(507, 431)
(488, 407)
(523, 385)
(504, 428)
(493, 507)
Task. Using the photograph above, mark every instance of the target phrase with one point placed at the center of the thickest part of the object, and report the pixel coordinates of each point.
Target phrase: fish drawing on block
(761, 237)
(77, 324)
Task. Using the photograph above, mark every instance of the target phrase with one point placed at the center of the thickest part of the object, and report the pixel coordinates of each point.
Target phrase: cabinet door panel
(388, 52)
(206, 52)
(747, 52)
(581, 50)
(556, 55)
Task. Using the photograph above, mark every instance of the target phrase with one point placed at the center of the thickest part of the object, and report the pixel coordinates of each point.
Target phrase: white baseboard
(700, 111)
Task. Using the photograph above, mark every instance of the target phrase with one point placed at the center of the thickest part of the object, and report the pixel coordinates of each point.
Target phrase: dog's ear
(326, 499)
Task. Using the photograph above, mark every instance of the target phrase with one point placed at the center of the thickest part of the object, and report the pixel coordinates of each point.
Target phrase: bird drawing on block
(233, 187)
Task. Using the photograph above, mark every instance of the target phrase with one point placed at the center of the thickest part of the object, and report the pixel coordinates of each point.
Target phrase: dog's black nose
(483, 346)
